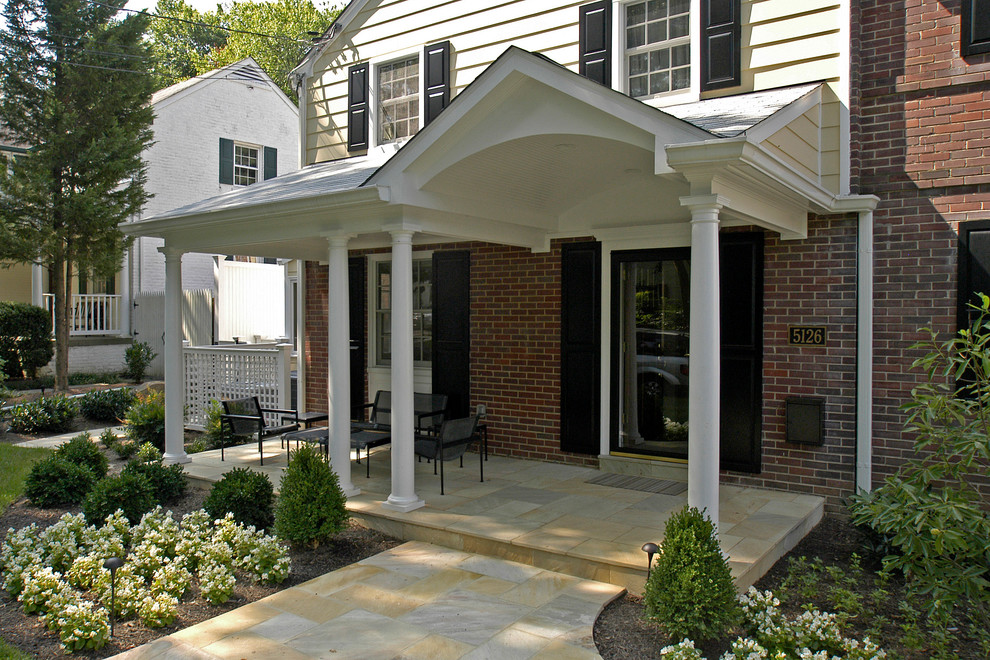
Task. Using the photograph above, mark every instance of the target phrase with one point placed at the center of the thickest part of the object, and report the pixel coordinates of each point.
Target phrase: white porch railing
(90, 313)
(230, 372)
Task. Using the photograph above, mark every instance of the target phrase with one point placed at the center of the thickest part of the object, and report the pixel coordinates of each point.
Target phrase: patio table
(319, 435)
(365, 440)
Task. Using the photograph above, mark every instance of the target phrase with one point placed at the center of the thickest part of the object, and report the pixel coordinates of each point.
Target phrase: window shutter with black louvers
(975, 27)
(226, 161)
(595, 41)
(721, 50)
(271, 163)
(436, 59)
(357, 107)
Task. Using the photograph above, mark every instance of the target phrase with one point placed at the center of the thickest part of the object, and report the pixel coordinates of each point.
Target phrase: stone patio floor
(518, 566)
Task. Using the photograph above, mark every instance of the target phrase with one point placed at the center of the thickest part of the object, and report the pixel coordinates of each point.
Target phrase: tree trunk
(62, 274)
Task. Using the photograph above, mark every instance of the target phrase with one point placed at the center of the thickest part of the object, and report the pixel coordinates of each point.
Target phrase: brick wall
(515, 347)
(921, 142)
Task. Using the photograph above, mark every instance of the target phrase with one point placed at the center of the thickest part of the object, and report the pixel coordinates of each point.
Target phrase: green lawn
(8, 652)
(16, 462)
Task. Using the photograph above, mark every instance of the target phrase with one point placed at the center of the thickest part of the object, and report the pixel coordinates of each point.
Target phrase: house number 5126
(806, 335)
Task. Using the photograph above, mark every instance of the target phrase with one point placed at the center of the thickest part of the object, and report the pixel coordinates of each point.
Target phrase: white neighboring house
(225, 129)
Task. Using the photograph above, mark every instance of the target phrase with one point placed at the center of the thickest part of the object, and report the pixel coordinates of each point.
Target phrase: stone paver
(455, 605)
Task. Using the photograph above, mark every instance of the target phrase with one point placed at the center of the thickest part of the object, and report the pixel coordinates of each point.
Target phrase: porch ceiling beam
(474, 228)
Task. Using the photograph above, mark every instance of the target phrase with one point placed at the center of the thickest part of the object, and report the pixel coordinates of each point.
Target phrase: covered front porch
(564, 518)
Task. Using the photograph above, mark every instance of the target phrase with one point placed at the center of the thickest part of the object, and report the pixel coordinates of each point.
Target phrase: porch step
(550, 516)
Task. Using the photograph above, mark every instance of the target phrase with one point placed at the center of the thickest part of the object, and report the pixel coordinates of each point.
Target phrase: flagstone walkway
(416, 601)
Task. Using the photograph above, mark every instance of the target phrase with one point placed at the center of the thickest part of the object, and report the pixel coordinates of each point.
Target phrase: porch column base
(353, 491)
(402, 505)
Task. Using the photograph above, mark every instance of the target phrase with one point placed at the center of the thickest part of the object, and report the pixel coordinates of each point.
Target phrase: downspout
(863, 205)
(864, 354)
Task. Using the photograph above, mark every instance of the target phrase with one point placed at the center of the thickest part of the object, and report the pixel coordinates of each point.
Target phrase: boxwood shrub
(81, 450)
(107, 405)
(132, 493)
(311, 505)
(168, 482)
(54, 481)
(25, 338)
(246, 494)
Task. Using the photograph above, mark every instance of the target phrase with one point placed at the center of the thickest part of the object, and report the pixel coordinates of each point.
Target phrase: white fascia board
(504, 76)
(353, 8)
(306, 213)
(778, 120)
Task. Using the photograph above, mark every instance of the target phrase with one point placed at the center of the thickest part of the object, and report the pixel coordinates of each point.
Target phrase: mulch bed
(30, 635)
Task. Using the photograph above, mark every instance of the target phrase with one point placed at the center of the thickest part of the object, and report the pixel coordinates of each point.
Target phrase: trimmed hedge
(25, 338)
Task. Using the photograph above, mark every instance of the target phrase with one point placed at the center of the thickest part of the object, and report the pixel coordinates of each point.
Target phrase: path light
(112, 564)
(650, 549)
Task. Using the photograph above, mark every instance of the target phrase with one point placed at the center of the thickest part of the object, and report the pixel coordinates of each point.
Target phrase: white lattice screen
(228, 372)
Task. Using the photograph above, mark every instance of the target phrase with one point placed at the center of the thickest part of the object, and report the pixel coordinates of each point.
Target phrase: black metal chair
(429, 410)
(247, 417)
(452, 441)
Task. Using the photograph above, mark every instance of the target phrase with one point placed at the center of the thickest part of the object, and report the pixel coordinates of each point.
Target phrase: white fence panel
(250, 301)
(149, 323)
(231, 372)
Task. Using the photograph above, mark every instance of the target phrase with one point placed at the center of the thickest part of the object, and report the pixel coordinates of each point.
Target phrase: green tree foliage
(930, 511)
(74, 88)
(275, 33)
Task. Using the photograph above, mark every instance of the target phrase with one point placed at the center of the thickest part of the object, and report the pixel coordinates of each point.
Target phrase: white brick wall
(184, 162)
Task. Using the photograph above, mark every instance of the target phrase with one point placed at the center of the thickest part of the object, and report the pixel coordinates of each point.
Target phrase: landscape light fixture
(650, 549)
(112, 564)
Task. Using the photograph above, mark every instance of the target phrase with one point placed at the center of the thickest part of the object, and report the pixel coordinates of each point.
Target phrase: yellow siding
(15, 283)
(787, 43)
(784, 43)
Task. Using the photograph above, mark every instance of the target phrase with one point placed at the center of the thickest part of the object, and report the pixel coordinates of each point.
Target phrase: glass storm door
(650, 343)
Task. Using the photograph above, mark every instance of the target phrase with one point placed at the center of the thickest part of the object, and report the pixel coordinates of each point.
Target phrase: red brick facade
(920, 134)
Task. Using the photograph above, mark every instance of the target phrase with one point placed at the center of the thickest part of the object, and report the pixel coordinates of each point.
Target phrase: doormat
(643, 484)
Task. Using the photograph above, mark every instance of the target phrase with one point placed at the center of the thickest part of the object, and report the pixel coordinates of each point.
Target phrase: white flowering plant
(53, 571)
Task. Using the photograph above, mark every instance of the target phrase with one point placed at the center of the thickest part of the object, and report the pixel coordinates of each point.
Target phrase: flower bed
(58, 573)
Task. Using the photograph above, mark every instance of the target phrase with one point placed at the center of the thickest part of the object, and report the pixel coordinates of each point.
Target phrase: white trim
(420, 368)
(374, 105)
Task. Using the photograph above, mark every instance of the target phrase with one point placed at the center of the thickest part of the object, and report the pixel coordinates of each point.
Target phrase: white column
(37, 285)
(403, 496)
(339, 357)
(705, 347)
(175, 451)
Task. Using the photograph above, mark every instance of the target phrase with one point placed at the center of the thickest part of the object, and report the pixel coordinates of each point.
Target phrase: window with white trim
(422, 303)
(398, 99)
(657, 47)
(246, 163)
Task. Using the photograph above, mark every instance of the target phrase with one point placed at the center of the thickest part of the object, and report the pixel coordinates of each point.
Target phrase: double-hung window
(422, 311)
(245, 165)
(658, 46)
(398, 99)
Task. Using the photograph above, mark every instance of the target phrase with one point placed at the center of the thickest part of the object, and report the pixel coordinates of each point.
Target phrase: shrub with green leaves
(216, 431)
(930, 511)
(107, 405)
(54, 481)
(81, 450)
(168, 482)
(137, 357)
(47, 414)
(690, 591)
(25, 338)
(132, 493)
(248, 495)
(145, 420)
(311, 506)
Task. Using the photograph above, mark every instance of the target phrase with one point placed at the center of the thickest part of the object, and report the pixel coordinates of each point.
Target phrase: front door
(650, 359)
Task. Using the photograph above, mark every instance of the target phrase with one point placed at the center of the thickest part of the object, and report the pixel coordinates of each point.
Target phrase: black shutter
(721, 50)
(974, 268)
(358, 91)
(595, 41)
(358, 317)
(436, 58)
(975, 27)
(452, 330)
(226, 161)
(741, 282)
(271, 163)
(580, 348)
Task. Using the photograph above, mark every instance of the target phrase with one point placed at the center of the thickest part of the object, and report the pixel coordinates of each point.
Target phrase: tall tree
(276, 33)
(74, 86)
